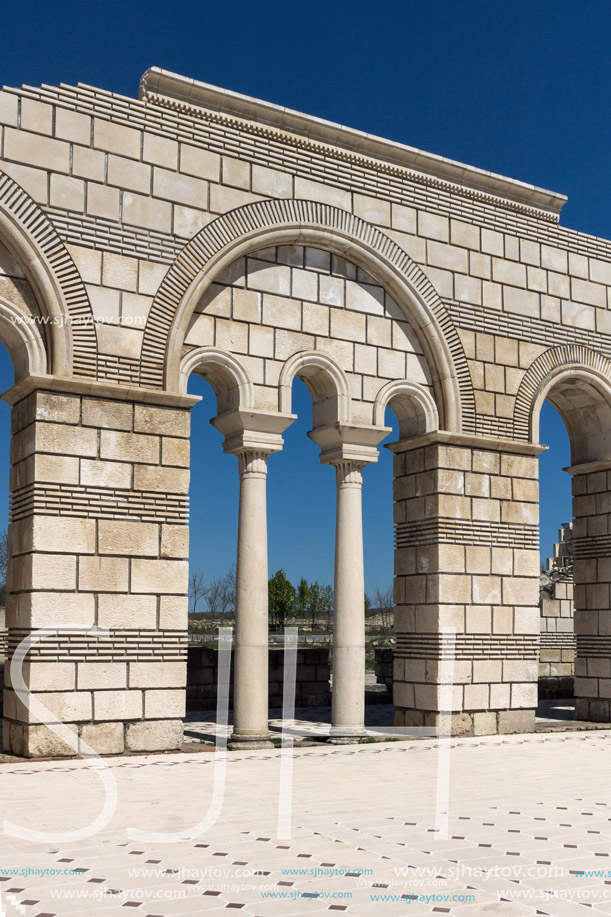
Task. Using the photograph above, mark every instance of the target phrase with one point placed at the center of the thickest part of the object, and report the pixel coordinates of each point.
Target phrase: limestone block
(113, 415)
(520, 590)
(147, 212)
(61, 706)
(67, 193)
(132, 538)
(173, 612)
(484, 724)
(487, 590)
(113, 705)
(61, 534)
(39, 742)
(161, 478)
(159, 576)
(183, 189)
(199, 162)
(524, 695)
(127, 173)
(103, 574)
(44, 571)
(90, 164)
(512, 721)
(65, 439)
(98, 473)
(103, 738)
(101, 675)
(57, 469)
(499, 696)
(476, 697)
(164, 703)
(103, 201)
(128, 611)
(115, 138)
(36, 150)
(130, 447)
(169, 421)
(157, 674)
(55, 609)
(433, 226)
(271, 182)
(153, 736)
(49, 676)
(175, 541)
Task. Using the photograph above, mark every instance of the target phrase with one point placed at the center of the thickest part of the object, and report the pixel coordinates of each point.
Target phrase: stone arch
(34, 243)
(577, 381)
(228, 378)
(326, 382)
(23, 341)
(413, 406)
(274, 222)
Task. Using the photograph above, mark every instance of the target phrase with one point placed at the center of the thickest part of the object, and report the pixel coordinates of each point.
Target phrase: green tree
(282, 599)
(304, 598)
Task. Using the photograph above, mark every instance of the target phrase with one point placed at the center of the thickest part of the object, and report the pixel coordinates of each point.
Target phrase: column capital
(252, 429)
(348, 442)
(348, 472)
(252, 462)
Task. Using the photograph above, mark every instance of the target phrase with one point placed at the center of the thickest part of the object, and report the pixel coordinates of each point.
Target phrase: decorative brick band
(592, 546)
(594, 645)
(468, 646)
(98, 503)
(566, 356)
(122, 646)
(15, 202)
(466, 531)
(558, 640)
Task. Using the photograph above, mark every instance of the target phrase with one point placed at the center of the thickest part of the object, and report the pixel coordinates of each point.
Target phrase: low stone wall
(312, 688)
(384, 656)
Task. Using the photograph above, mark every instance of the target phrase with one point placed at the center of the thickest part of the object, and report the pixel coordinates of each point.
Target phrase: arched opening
(572, 415)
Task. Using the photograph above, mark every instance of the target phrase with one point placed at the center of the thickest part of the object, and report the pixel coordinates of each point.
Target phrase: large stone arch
(274, 222)
(57, 285)
(577, 381)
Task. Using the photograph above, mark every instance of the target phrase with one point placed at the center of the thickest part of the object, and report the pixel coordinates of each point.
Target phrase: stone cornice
(110, 390)
(171, 90)
(483, 443)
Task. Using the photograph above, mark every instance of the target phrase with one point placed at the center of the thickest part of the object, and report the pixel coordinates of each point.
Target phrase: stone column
(348, 447)
(250, 703)
(252, 434)
(466, 512)
(348, 713)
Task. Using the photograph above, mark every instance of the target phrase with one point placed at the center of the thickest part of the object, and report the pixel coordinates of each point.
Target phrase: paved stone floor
(526, 814)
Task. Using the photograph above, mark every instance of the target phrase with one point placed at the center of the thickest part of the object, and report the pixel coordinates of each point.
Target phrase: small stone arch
(228, 378)
(23, 341)
(413, 406)
(34, 243)
(274, 222)
(326, 382)
(577, 381)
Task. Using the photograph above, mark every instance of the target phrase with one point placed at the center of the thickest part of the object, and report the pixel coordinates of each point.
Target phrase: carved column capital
(253, 462)
(349, 472)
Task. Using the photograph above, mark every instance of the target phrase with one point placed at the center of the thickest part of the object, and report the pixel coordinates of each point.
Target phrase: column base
(249, 743)
(346, 735)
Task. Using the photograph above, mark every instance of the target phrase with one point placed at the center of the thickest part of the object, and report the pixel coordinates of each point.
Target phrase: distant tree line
(308, 601)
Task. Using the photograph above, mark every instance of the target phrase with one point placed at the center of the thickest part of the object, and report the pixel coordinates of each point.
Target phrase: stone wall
(312, 684)
(558, 643)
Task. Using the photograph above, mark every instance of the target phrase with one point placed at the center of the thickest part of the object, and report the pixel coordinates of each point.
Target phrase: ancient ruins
(194, 230)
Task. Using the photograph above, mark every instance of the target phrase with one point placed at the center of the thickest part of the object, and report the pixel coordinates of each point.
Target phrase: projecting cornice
(158, 85)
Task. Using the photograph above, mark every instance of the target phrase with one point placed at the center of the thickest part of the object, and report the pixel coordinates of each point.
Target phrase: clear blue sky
(523, 89)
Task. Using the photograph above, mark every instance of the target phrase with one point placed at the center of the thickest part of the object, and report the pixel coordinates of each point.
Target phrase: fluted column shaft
(348, 714)
(250, 702)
